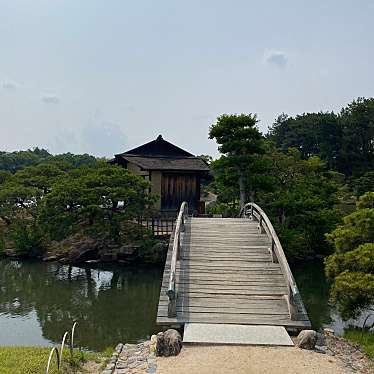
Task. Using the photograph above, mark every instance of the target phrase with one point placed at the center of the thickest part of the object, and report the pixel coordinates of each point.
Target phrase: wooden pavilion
(174, 173)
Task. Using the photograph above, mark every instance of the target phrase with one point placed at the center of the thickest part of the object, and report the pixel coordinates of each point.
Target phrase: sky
(105, 76)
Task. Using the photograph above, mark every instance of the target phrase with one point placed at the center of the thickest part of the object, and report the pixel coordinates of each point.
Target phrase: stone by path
(133, 359)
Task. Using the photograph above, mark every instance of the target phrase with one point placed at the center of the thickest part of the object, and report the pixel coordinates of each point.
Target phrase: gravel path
(334, 356)
(249, 360)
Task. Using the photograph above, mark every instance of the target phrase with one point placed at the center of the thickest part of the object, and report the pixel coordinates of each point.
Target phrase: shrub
(354, 291)
(359, 260)
(28, 239)
(226, 209)
(2, 247)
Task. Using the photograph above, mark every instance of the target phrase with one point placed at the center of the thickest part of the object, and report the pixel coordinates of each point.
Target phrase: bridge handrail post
(277, 253)
(172, 289)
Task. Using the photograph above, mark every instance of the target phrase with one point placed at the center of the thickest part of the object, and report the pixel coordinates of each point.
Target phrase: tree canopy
(345, 140)
(57, 198)
(351, 267)
(240, 144)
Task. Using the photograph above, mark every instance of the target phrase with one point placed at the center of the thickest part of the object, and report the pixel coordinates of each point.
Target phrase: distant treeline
(344, 140)
(14, 161)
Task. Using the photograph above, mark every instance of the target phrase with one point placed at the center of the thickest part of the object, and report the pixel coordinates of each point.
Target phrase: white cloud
(277, 58)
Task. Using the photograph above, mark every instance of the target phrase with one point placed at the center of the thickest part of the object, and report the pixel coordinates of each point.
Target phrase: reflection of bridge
(229, 271)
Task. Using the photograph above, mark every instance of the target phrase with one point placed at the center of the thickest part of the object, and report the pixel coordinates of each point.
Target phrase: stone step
(209, 333)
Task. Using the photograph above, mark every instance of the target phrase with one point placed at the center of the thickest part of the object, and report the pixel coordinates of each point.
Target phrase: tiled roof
(191, 163)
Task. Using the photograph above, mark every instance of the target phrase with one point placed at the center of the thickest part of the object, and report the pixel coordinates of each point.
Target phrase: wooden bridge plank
(225, 275)
(229, 280)
(240, 319)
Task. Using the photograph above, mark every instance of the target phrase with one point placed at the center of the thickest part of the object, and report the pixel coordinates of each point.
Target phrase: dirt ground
(248, 360)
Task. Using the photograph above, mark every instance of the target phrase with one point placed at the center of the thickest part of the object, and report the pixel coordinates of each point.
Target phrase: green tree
(313, 134)
(14, 161)
(351, 267)
(54, 199)
(240, 144)
(363, 184)
(4, 176)
(345, 141)
(301, 204)
(357, 121)
(99, 198)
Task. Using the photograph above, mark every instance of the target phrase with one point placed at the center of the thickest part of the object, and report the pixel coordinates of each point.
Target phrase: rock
(50, 258)
(306, 339)
(111, 366)
(92, 261)
(153, 339)
(128, 250)
(129, 346)
(123, 371)
(321, 349)
(169, 343)
(121, 365)
(108, 257)
(321, 339)
(328, 332)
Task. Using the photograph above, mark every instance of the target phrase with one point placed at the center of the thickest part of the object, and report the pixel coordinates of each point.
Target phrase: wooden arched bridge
(229, 271)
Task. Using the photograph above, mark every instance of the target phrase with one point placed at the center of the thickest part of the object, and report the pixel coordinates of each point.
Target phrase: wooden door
(176, 188)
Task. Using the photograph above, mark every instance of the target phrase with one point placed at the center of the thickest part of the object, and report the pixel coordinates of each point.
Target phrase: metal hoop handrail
(277, 253)
(72, 338)
(67, 333)
(179, 227)
(59, 355)
(53, 350)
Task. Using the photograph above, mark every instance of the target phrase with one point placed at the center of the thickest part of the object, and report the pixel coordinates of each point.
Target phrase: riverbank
(80, 249)
(134, 244)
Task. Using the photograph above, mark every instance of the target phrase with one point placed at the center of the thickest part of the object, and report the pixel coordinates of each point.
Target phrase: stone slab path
(236, 334)
(133, 359)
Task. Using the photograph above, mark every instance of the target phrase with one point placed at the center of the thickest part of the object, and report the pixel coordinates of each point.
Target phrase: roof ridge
(156, 156)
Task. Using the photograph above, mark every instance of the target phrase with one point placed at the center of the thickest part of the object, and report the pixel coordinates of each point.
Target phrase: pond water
(40, 301)
(314, 289)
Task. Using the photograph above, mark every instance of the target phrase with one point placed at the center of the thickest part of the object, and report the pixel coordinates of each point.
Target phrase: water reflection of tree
(314, 290)
(122, 307)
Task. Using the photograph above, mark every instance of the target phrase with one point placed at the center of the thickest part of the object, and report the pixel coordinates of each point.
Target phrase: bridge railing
(253, 211)
(172, 289)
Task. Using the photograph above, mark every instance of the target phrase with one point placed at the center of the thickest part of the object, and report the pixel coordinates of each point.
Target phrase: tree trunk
(251, 194)
(283, 217)
(242, 191)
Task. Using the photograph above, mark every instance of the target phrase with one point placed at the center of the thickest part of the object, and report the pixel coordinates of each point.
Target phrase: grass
(25, 360)
(33, 360)
(365, 340)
